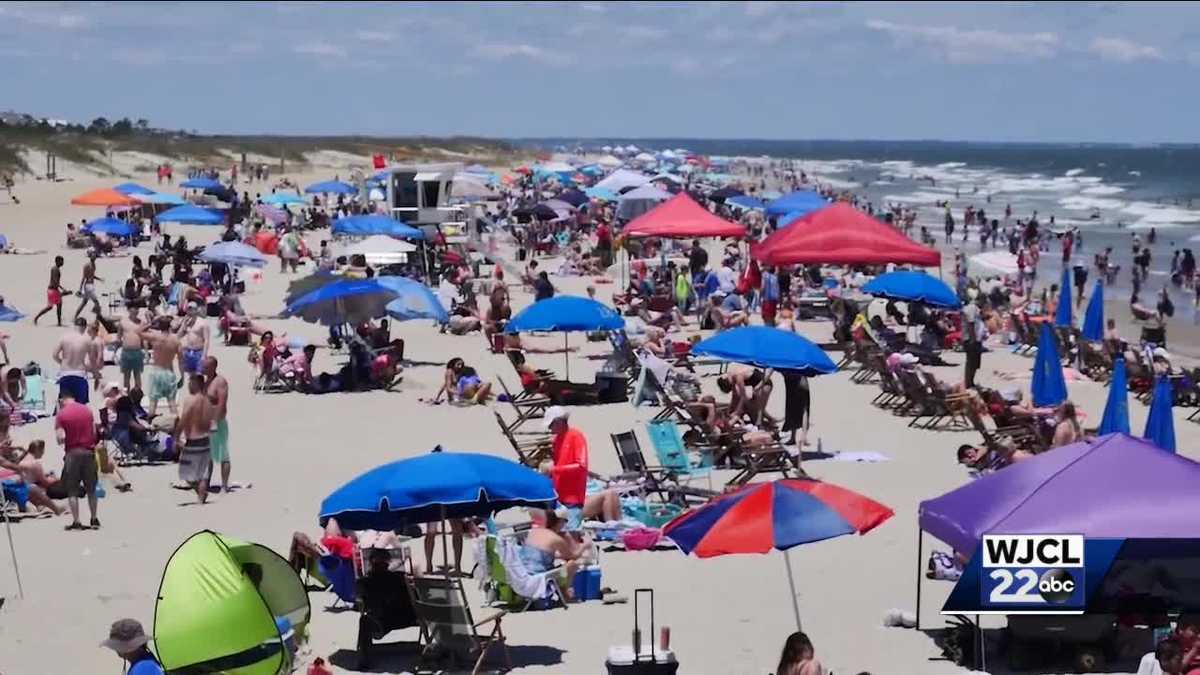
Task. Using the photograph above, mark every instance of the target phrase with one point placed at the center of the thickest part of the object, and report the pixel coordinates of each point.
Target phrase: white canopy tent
(378, 250)
(640, 200)
(621, 179)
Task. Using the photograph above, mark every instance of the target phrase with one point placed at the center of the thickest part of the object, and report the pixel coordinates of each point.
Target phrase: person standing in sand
(54, 292)
(75, 358)
(194, 427)
(164, 352)
(218, 396)
(75, 428)
(87, 284)
(133, 352)
(195, 333)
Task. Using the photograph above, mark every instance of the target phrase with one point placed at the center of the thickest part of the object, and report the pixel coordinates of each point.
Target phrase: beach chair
(946, 411)
(1000, 438)
(891, 392)
(533, 449)
(527, 405)
(341, 576)
(447, 626)
(515, 587)
(384, 605)
(755, 460)
(654, 480)
(674, 456)
(34, 401)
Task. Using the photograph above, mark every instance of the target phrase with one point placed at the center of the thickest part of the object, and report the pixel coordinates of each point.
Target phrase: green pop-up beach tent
(214, 616)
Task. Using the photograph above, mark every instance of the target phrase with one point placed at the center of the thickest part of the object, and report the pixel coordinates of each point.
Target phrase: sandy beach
(727, 615)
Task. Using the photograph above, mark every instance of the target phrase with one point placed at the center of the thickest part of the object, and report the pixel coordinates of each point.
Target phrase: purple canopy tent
(1112, 487)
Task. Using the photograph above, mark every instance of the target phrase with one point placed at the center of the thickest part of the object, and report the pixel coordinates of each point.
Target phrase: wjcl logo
(1034, 570)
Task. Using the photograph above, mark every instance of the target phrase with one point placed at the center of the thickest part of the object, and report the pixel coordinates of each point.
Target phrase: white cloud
(245, 48)
(46, 19)
(721, 34)
(647, 33)
(320, 49)
(135, 56)
(375, 36)
(685, 66)
(760, 8)
(505, 51)
(1123, 51)
(594, 7)
(959, 45)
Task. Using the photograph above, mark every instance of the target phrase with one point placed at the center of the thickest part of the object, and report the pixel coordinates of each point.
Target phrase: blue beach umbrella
(133, 189)
(1049, 386)
(367, 225)
(767, 348)
(336, 187)
(191, 215)
(746, 202)
(603, 194)
(433, 487)
(1116, 408)
(8, 313)
(414, 300)
(913, 287)
(565, 314)
(343, 301)
(283, 199)
(160, 198)
(1160, 423)
(110, 226)
(1093, 317)
(1063, 318)
(202, 184)
(234, 253)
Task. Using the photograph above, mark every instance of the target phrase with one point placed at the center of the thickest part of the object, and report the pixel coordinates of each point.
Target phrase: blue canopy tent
(434, 487)
(202, 184)
(746, 202)
(1093, 317)
(344, 301)
(913, 287)
(1063, 317)
(191, 215)
(109, 226)
(336, 187)
(366, 225)
(1160, 423)
(565, 314)
(1116, 408)
(767, 347)
(1049, 386)
(803, 201)
(133, 189)
(600, 193)
(160, 198)
(414, 300)
(283, 199)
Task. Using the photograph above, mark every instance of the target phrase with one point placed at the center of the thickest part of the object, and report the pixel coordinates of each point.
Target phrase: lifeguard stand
(419, 194)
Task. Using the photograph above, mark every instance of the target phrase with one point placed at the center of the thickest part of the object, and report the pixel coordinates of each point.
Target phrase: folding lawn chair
(533, 449)
(673, 455)
(447, 626)
(527, 405)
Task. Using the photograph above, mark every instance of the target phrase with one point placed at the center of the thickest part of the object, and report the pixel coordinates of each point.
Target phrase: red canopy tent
(842, 235)
(680, 217)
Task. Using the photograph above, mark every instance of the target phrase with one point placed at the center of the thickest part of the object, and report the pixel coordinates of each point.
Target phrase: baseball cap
(555, 412)
(1160, 353)
(126, 635)
(909, 359)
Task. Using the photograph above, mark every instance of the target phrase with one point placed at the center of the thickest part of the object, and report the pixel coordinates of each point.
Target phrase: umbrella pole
(445, 550)
(920, 542)
(787, 561)
(566, 356)
(12, 550)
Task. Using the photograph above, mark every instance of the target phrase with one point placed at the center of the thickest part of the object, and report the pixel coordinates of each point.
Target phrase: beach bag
(640, 538)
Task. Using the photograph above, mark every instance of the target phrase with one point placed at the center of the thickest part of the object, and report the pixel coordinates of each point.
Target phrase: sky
(1006, 71)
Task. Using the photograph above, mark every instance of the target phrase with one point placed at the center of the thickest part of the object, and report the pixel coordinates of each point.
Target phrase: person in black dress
(796, 403)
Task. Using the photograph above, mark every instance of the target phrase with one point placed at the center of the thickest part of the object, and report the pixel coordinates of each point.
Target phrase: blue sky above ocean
(1015, 71)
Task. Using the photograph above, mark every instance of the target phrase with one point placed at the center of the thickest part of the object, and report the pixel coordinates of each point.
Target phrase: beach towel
(859, 457)
(531, 586)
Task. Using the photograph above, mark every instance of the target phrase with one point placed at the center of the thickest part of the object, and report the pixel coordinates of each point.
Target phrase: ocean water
(1108, 191)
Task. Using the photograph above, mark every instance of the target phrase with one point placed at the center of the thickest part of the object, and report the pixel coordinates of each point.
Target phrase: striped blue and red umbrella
(777, 515)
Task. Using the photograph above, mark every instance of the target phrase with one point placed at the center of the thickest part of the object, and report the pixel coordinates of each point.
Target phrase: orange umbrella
(104, 197)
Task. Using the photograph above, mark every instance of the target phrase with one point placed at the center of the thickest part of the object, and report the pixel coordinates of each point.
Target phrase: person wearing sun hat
(569, 470)
(128, 639)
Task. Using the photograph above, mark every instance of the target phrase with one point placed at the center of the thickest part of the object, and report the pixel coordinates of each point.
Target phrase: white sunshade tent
(645, 157)
(640, 200)
(621, 179)
(609, 162)
(378, 250)
(469, 187)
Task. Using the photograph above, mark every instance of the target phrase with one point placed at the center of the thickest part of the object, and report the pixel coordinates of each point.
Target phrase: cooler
(586, 584)
(642, 658)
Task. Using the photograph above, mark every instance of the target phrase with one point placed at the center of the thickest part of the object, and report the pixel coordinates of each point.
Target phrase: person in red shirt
(569, 472)
(75, 428)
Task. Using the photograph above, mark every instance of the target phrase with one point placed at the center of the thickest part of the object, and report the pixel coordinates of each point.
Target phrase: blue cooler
(586, 584)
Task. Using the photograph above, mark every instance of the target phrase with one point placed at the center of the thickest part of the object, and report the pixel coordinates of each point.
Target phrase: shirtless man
(218, 396)
(76, 359)
(164, 352)
(54, 292)
(133, 352)
(87, 284)
(195, 334)
(194, 427)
